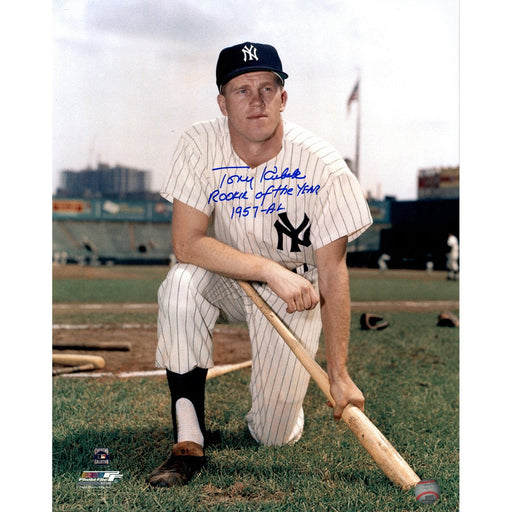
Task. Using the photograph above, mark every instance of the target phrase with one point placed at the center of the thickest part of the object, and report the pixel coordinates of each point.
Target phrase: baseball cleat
(186, 459)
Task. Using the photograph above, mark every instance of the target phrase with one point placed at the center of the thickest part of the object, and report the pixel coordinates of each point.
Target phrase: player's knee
(179, 283)
(267, 437)
(277, 428)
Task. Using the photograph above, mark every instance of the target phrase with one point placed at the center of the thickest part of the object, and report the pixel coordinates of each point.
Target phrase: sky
(129, 76)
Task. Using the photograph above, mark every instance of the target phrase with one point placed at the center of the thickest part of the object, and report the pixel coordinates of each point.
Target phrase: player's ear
(221, 101)
(284, 99)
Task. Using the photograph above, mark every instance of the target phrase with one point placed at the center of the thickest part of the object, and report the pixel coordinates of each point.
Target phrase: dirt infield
(231, 342)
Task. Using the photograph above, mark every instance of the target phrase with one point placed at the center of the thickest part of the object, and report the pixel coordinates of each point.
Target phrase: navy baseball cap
(245, 58)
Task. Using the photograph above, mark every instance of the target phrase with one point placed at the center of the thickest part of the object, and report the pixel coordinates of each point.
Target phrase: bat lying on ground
(73, 369)
(78, 359)
(222, 369)
(76, 363)
(381, 450)
(93, 345)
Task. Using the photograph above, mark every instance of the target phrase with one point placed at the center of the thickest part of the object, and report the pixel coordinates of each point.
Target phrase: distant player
(383, 262)
(452, 263)
(259, 199)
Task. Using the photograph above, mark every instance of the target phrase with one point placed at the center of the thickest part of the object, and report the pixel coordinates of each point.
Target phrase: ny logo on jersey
(250, 53)
(285, 227)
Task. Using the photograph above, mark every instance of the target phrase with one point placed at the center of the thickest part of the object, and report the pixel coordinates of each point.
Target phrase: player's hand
(298, 293)
(344, 391)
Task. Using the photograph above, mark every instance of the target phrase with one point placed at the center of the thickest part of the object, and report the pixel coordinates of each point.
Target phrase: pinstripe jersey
(284, 209)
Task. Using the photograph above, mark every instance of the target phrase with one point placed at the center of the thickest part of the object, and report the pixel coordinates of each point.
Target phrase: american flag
(354, 96)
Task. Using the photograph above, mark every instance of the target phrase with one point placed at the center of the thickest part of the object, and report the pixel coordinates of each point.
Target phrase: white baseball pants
(190, 300)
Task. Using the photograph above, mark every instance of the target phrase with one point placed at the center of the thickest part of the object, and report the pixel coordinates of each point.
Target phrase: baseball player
(452, 263)
(255, 198)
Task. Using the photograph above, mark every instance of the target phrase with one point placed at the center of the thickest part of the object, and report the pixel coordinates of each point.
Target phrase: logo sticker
(101, 456)
(99, 478)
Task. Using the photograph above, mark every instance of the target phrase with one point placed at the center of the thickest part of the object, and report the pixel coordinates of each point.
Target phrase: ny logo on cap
(250, 53)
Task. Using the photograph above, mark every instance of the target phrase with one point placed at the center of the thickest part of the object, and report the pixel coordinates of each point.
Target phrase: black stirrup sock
(188, 385)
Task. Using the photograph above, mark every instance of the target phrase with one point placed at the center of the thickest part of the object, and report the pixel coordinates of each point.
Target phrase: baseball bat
(93, 345)
(73, 369)
(222, 369)
(78, 360)
(381, 450)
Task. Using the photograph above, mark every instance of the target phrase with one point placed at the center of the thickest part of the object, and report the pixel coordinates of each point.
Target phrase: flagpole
(356, 96)
(358, 128)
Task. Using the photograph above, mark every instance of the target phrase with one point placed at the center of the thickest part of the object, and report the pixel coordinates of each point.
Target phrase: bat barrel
(383, 453)
(78, 359)
(219, 370)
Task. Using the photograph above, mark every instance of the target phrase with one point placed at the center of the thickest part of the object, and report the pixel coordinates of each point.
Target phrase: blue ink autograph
(271, 192)
(245, 212)
(229, 179)
(218, 197)
(307, 189)
(273, 174)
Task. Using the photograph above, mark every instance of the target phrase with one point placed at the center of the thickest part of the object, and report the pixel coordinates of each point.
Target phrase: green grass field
(140, 284)
(408, 372)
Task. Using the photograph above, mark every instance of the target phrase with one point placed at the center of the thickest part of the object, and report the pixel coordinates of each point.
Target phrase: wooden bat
(73, 369)
(381, 450)
(78, 360)
(222, 369)
(93, 345)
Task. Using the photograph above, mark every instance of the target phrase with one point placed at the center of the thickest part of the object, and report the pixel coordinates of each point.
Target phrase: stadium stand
(105, 231)
(86, 232)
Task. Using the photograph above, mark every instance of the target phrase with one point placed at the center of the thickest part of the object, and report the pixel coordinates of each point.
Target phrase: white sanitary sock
(186, 420)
